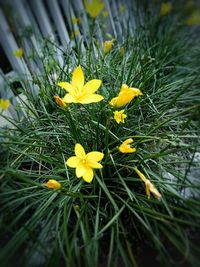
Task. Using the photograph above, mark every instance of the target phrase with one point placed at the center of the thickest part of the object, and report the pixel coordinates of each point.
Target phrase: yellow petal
(78, 78)
(80, 170)
(73, 162)
(95, 165)
(141, 175)
(68, 98)
(93, 98)
(128, 141)
(113, 101)
(92, 86)
(94, 156)
(136, 91)
(65, 85)
(88, 175)
(79, 151)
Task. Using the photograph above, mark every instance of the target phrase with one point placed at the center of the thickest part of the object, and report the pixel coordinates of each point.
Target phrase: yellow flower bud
(59, 101)
(108, 45)
(53, 184)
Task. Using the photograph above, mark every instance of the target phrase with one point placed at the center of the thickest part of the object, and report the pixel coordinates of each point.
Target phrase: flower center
(83, 161)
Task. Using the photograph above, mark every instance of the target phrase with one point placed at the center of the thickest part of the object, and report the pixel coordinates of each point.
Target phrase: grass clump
(110, 221)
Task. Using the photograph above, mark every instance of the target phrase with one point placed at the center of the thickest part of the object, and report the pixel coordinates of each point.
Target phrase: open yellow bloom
(78, 92)
(165, 8)
(4, 103)
(107, 46)
(125, 147)
(85, 163)
(94, 7)
(119, 116)
(60, 101)
(125, 96)
(150, 188)
(19, 52)
(53, 184)
(194, 18)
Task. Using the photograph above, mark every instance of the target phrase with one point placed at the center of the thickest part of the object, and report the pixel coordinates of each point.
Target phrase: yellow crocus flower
(165, 8)
(85, 163)
(19, 52)
(53, 184)
(94, 7)
(77, 92)
(125, 147)
(4, 103)
(107, 46)
(126, 95)
(119, 116)
(150, 188)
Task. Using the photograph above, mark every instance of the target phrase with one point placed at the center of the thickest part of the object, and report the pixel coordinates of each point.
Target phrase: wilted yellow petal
(78, 78)
(79, 151)
(141, 175)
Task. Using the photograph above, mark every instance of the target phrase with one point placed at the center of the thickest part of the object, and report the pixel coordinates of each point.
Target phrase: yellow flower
(165, 8)
(4, 103)
(94, 7)
(108, 45)
(60, 101)
(19, 52)
(194, 18)
(78, 92)
(119, 116)
(125, 146)
(150, 188)
(53, 184)
(85, 163)
(125, 96)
